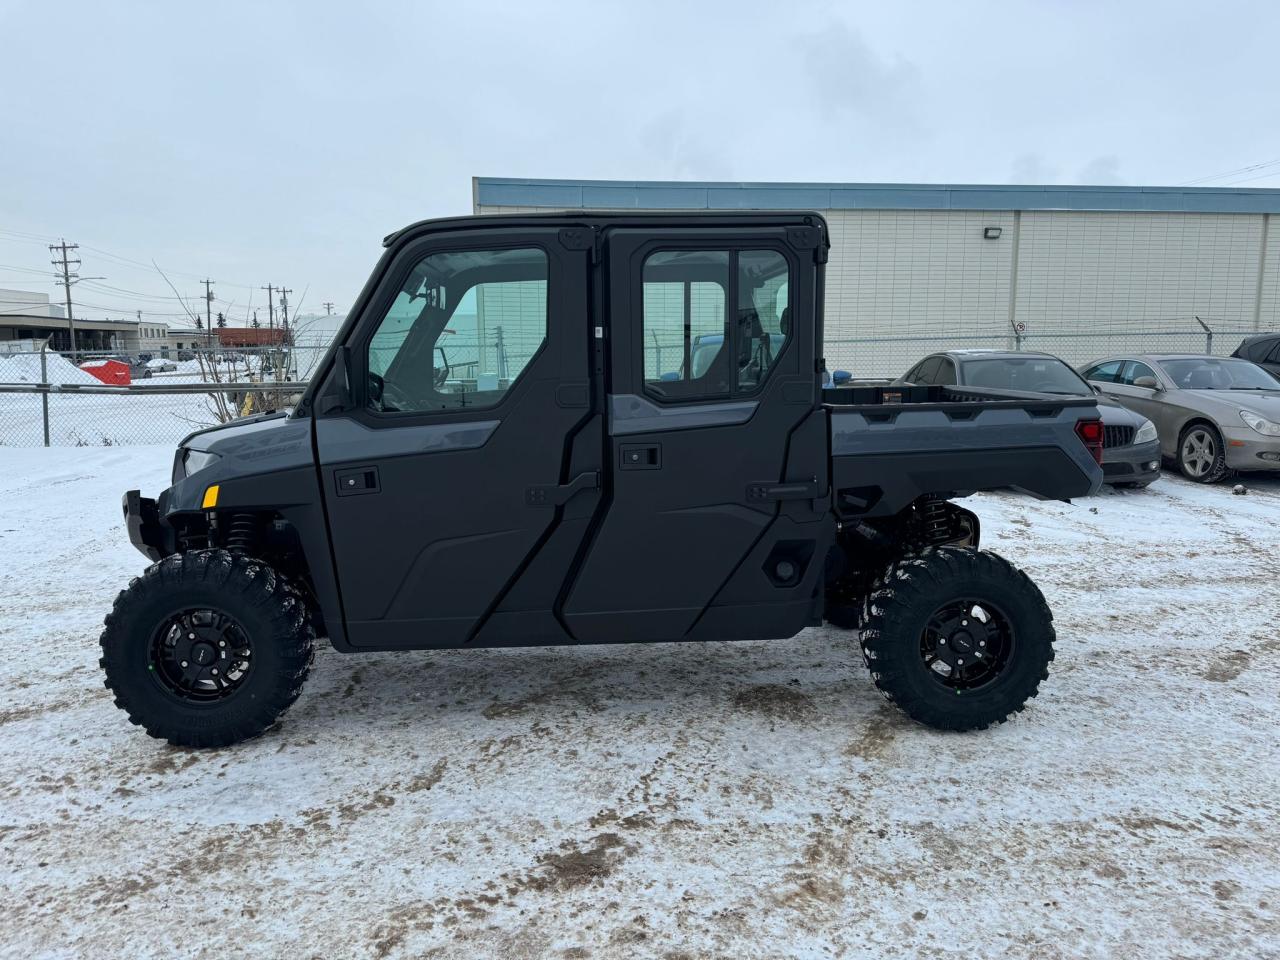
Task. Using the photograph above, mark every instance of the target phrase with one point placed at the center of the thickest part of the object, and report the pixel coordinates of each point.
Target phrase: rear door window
(1135, 369)
(694, 346)
(946, 375)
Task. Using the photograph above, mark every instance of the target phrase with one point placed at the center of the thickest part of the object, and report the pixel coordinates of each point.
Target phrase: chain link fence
(875, 357)
(111, 399)
(45, 398)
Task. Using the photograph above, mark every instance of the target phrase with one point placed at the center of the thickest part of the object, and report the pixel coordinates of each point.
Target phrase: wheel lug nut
(184, 664)
(982, 643)
(215, 671)
(222, 643)
(959, 659)
(191, 636)
(943, 640)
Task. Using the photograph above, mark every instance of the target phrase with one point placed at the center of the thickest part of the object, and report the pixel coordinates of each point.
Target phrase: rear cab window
(697, 344)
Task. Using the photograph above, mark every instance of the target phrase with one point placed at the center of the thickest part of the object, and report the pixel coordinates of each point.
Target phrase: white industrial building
(1077, 271)
(28, 318)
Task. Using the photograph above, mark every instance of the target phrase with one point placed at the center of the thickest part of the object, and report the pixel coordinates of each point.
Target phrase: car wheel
(1201, 454)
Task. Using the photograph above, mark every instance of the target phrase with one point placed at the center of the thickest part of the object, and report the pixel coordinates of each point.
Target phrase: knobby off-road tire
(207, 649)
(949, 604)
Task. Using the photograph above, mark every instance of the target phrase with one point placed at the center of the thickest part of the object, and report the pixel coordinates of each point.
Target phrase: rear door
(715, 524)
(460, 479)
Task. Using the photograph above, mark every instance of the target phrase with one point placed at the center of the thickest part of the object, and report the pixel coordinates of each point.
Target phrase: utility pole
(208, 309)
(284, 308)
(271, 309)
(328, 308)
(68, 277)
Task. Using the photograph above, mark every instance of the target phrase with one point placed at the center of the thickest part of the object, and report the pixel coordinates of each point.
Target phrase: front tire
(1201, 454)
(958, 638)
(207, 649)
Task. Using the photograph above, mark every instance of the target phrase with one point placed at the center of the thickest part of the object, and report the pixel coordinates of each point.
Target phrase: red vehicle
(114, 373)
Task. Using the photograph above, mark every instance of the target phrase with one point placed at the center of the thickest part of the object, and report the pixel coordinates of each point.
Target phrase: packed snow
(25, 368)
(725, 799)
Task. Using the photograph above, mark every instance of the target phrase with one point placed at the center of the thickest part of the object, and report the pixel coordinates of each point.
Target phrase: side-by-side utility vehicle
(592, 428)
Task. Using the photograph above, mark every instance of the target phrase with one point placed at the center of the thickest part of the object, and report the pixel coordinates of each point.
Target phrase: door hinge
(557, 495)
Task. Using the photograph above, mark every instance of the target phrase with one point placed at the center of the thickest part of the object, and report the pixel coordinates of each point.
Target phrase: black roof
(616, 218)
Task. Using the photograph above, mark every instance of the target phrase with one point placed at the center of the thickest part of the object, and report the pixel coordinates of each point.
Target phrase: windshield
(1212, 373)
(1037, 374)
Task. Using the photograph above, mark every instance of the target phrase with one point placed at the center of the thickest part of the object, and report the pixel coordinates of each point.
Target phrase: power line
(1231, 173)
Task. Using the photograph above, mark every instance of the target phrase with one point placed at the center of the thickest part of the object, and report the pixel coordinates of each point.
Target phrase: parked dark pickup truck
(556, 483)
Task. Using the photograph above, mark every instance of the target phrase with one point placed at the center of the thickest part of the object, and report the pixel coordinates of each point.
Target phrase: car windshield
(1037, 374)
(1213, 373)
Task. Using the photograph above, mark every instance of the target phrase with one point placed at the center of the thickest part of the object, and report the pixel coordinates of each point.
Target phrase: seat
(1202, 378)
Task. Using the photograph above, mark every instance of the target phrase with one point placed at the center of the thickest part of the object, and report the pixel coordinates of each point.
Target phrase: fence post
(44, 395)
(1208, 336)
(501, 348)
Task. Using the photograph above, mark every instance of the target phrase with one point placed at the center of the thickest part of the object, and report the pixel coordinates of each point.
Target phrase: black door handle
(356, 481)
(640, 456)
(797, 490)
(555, 495)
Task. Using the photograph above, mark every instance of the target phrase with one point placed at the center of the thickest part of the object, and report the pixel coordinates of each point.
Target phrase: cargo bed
(892, 444)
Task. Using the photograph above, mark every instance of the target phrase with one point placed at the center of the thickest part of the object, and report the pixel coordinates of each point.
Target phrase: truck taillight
(1090, 434)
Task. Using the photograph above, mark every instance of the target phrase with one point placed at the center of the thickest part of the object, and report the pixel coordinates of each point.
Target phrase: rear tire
(1202, 457)
(207, 649)
(958, 638)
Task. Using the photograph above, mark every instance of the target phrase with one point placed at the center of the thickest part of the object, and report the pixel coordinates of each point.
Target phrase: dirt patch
(876, 739)
(578, 866)
(425, 781)
(775, 701)
(1227, 667)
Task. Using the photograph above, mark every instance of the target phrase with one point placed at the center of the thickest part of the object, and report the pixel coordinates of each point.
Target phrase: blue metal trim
(650, 195)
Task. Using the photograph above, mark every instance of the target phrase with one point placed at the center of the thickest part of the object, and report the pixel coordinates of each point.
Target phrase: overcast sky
(278, 143)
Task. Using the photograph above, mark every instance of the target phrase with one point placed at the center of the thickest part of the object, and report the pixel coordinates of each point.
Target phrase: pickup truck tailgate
(885, 455)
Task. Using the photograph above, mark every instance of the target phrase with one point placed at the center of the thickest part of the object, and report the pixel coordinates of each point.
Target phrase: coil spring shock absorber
(241, 533)
(935, 522)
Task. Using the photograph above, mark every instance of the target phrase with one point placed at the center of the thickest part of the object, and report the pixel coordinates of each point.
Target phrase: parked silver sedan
(1213, 414)
(1130, 451)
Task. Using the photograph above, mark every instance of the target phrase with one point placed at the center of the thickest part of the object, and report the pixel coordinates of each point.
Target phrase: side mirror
(1150, 383)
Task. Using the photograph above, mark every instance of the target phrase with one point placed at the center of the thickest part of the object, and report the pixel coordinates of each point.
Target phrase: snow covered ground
(734, 800)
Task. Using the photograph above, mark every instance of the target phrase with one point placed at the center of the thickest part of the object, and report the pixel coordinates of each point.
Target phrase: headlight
(1261, 424)
(196, 460)
(1145, 432)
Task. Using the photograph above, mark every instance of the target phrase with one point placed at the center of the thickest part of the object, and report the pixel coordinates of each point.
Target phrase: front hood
(1265, 403)
(281, 440)
(257, 447)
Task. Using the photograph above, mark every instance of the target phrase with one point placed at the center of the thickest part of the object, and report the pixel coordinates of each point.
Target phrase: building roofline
(717, 195)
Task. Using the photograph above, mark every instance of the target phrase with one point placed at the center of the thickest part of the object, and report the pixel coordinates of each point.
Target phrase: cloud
(1103, 170)
(851, 81)
(1032, 168)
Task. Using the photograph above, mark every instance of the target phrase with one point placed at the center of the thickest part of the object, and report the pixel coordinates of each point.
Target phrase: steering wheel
(387, 397)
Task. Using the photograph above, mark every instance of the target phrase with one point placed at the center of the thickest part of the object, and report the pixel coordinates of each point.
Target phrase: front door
(460, 480)
(715, 525)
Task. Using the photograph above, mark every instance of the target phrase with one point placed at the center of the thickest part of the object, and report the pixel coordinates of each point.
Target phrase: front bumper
(146, 532)
(1249, 450)
(1132, 463)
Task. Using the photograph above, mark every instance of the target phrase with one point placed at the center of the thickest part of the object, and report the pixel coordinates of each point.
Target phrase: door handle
(797, 490)
(357, 481)
(556, 495)
(640, 456)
